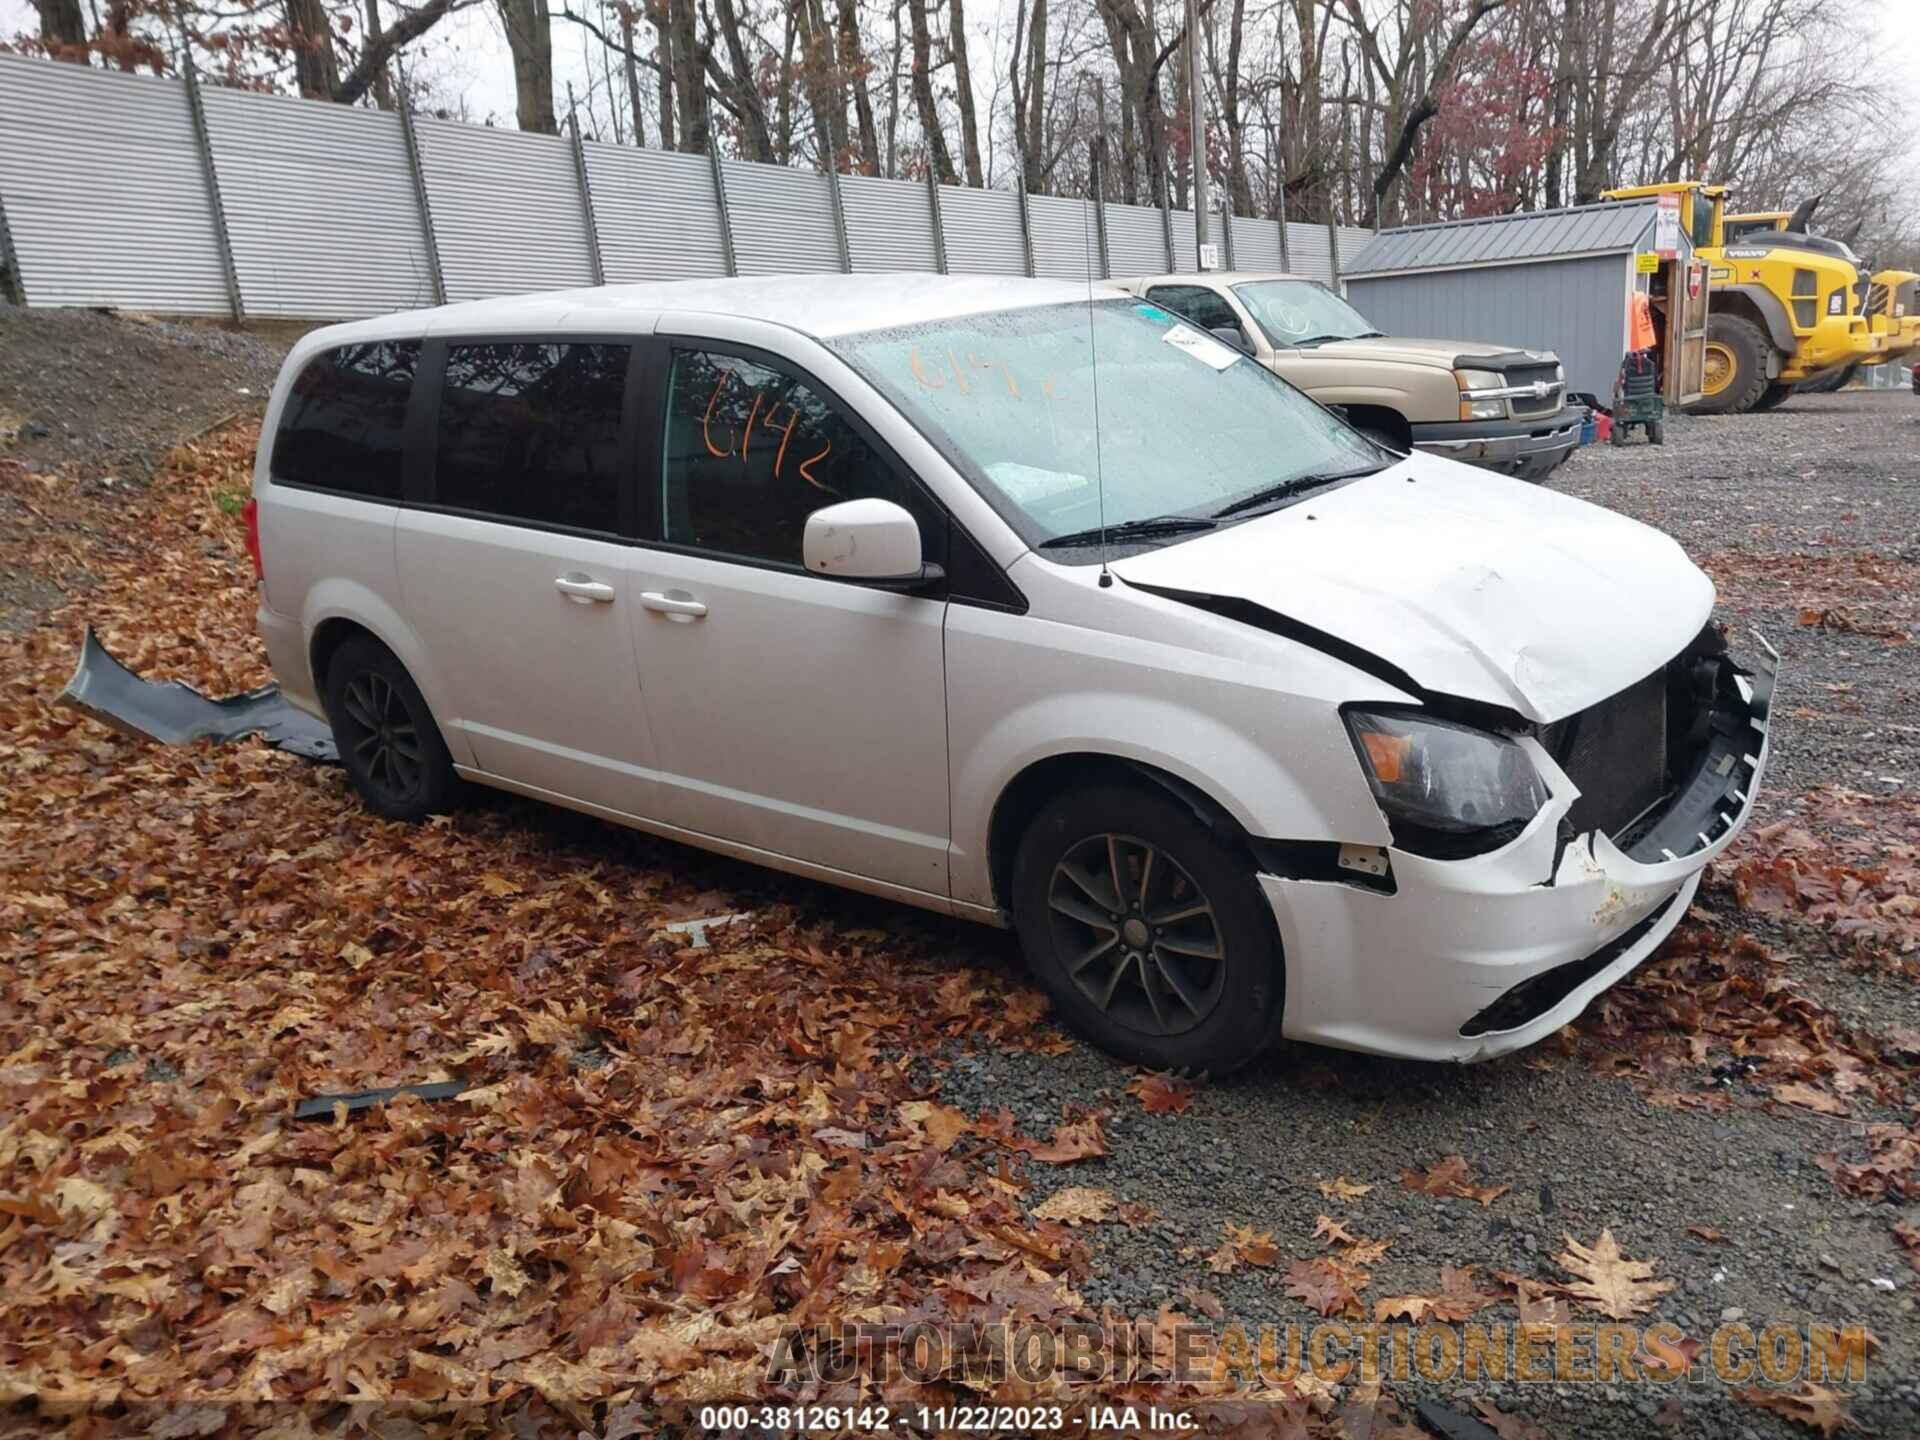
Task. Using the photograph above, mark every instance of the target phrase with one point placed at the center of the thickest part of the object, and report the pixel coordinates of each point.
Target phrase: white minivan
(1026, 606)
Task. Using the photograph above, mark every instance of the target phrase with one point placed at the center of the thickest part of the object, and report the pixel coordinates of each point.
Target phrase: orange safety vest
(1640, 322)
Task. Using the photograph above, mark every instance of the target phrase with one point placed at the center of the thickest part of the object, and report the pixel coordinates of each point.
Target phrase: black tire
(1167, 1003)
(387, 737)
(1657, 431)
(1382, 438)
(1745, 346)
(1832, 381)
(1774, 395)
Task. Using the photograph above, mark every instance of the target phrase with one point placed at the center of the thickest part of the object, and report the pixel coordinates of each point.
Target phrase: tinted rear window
(531, 431)
(343, 423)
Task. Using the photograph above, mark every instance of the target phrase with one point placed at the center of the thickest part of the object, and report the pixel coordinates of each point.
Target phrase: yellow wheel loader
(1787, 307)
(1893, 302)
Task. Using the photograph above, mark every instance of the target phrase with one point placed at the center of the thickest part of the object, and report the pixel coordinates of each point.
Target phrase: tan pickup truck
(1489, 405)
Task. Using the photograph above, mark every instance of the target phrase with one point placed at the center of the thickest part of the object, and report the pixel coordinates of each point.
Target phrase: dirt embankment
(95, 400)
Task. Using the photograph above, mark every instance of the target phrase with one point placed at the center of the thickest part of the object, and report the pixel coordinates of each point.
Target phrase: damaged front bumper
(1466, 960)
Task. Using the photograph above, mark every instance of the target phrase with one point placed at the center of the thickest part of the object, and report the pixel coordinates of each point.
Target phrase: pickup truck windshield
(1185, 425)
(1301, 313)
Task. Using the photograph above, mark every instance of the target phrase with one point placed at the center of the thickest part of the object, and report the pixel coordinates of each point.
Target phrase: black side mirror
(1233, 335)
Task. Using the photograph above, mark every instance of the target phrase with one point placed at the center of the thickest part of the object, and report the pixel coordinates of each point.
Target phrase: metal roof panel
(1523, 235)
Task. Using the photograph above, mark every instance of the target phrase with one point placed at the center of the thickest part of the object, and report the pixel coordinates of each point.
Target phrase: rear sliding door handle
(583, 591)
(674, 603)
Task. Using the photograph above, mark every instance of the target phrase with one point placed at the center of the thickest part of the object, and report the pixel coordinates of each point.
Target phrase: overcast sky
(470, 69)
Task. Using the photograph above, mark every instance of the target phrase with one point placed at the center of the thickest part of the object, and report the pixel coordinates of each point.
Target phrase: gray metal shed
(1544, 279)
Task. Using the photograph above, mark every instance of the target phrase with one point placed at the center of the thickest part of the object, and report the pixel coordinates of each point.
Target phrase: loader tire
(1736, 369)
(1775, 394)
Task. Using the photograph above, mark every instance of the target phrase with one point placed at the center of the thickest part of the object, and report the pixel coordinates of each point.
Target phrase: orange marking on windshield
(920, 371)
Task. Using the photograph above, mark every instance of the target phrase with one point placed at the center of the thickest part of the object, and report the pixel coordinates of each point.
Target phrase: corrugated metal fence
(174, 197)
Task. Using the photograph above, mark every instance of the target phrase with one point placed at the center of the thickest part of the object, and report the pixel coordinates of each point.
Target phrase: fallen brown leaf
(1808, 1098)
(1452, 1177)
(1816, 1407)
(1323, 1287)
(1161, 1094)
(1617, 1287)
(1078, 1205)
(1341, 1188)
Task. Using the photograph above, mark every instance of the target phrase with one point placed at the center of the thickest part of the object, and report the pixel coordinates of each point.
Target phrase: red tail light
(250, 512)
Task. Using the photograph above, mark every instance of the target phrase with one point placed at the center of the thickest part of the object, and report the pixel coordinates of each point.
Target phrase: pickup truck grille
(1527, 375)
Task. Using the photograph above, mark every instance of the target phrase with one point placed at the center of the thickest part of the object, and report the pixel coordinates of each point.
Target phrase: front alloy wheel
(1139, 912)
(1145, 944)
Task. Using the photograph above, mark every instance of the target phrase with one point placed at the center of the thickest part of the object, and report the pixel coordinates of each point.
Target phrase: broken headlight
(1447, 790)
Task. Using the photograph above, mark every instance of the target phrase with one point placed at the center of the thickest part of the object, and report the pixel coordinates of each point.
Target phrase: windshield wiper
(1147, 529)
(1313, 340)
(1287, 489)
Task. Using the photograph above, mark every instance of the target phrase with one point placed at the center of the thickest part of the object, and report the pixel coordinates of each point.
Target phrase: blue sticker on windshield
(1154, 312)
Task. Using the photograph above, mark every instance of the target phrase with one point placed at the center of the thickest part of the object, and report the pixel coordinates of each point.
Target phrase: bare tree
(316, 69)
(63, 29)
(963, 91)
(939, 158)
(855, 70)
(530, 42)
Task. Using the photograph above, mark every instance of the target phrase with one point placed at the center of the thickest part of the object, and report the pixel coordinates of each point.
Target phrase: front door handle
(675, 604)
(583, 590)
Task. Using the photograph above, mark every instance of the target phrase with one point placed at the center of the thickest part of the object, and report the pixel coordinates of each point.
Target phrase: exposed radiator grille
(1616, 752)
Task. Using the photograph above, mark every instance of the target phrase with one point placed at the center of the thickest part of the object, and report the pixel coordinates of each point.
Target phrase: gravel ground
(1782, 508)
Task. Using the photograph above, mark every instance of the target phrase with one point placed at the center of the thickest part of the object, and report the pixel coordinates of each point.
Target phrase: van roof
(818, 305)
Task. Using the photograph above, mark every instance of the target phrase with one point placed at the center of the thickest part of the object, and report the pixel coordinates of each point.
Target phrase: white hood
(1477, 586)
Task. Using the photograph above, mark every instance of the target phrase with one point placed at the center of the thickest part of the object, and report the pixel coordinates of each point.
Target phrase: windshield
(1185, 424)
(1299, 312)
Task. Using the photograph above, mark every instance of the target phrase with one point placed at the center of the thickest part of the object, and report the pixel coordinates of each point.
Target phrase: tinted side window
(751, 451)
(1202, 306)
(531, 431)
(343, 424)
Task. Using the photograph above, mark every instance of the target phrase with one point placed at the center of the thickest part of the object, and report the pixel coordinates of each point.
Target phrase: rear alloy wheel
(386, 735)
(1735, 373)
(1148, 929)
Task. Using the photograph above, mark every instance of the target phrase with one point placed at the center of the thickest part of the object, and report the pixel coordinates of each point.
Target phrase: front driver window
(1197, 303)
(751, 451)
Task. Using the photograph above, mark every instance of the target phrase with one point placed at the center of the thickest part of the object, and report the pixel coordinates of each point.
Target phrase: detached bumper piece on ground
(175, 713)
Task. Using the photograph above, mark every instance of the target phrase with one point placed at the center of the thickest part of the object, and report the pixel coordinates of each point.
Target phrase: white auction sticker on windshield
(1203, 348)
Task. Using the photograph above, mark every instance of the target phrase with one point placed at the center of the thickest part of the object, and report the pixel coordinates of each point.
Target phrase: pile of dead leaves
(1850, 862)
(1847, 591)
(663, 1154)
(1727, 1007)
